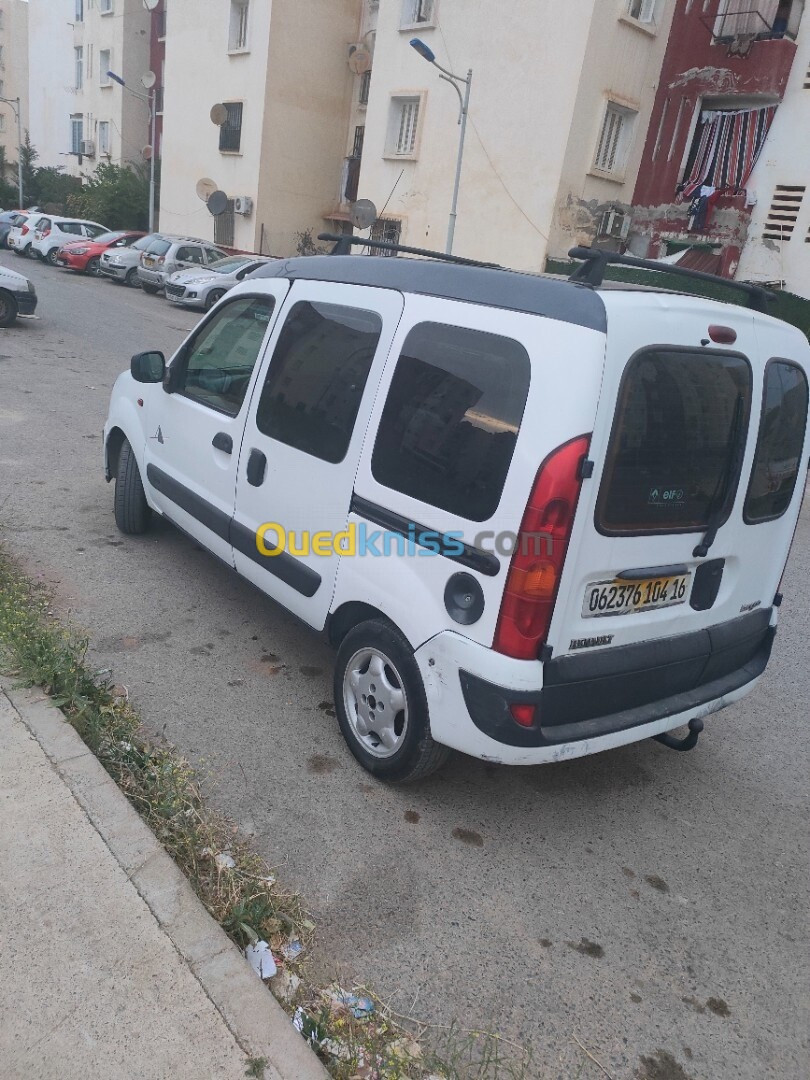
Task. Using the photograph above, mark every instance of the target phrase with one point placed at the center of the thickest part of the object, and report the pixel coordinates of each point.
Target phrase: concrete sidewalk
(109, 964)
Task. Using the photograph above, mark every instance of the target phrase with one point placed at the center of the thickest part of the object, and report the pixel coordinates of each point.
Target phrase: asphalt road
(649, 904)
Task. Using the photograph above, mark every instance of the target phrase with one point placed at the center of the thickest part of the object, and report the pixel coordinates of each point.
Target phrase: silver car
(167, 254)
(121, 264)
(201, 288)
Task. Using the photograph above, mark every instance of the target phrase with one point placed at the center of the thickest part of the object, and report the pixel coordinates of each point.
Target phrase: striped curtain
(728, 147)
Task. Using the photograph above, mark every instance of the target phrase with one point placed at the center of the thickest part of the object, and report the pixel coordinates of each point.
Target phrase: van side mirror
(148, 367)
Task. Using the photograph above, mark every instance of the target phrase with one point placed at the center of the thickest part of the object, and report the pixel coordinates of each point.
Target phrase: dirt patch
(322, 763)
(412, 817)
(657, 883)
(587, 948)
(718, 1007)
(662, 1066)
(468, 836)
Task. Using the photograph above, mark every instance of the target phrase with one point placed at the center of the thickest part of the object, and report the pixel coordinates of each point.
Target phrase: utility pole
(16, 106)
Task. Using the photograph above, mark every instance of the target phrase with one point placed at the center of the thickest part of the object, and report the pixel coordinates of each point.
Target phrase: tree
(116, 196)
(29, 155)
(9, 193)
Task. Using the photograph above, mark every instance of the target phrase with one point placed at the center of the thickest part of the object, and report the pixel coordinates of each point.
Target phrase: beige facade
(13, 78)
(558, 117)
(281, 73)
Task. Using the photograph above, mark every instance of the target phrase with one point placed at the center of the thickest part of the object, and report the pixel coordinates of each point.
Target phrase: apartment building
(777, 249)
(51, 100)
(724, 76)
(558, 116)
(13, 76)
(257, 105)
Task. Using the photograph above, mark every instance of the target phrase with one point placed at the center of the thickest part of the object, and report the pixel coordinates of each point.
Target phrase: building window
(160, 24)
(388, 231)
(784, 212)
(76, 133)
(2, 121)
(238, 37)
(230, 134)
(104, 65)
(614, 139)
(224, 225)
(403, 126)
(79, 16)
(105, 7)
(104, 138)
(365, 87)
(642, 10)
(418, 13)
(78, 57)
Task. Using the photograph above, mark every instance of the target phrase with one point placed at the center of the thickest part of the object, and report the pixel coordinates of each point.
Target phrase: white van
(537, 518)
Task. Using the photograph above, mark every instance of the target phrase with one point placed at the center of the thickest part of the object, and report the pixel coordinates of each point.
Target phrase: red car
(85, 255)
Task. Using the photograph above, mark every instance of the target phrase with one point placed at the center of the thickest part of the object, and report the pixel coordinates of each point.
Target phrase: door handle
(256, 466)
(222, 442)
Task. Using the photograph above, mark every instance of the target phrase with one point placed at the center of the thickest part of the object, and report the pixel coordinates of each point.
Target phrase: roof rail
(596, 261)
(343, 246)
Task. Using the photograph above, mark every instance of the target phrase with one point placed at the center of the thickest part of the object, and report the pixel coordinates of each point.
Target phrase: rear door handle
(222, 442)
(256, 467)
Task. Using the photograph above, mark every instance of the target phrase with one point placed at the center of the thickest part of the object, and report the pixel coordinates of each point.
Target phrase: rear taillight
(539, 556)
(161, 260)
(24, 230)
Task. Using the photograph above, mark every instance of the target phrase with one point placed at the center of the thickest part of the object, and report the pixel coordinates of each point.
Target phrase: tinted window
(94, 230)
(221, 357)
(158, 247)
(779, 444)
(109, 237)
(449, 426)
(227, 266)
(676, 447)
(71, 227)
(189, 254)
(317, 377)
(143, 243)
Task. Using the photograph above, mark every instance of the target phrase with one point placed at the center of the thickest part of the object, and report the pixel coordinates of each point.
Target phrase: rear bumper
(585, 704)
(26, 303)
(152, 277)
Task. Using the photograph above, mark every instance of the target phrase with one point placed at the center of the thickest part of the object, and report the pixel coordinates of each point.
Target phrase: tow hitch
(687, 743)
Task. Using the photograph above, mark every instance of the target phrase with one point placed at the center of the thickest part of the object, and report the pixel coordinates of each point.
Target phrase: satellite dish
(217, 202)
(150, 5)
(149, 78)
(363, 214)
(206, 188)
(360, 60)
(146, 153)
(219, 114)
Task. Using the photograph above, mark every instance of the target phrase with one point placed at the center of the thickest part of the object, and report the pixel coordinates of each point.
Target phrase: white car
(527, 512)
(21, 237)
(203, 286)
(51, 233)
(17, 296)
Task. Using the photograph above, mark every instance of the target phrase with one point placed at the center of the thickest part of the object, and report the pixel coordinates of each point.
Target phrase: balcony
(351, 179)
(739, 23)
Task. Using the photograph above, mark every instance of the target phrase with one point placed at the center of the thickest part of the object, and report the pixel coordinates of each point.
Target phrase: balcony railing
(735, 22)
(158, 99)
(351, 179)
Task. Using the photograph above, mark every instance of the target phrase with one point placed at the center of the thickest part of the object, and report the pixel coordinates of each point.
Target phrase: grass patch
(235, 884)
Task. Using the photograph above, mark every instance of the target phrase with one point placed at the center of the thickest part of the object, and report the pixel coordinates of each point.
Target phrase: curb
(250, 1012)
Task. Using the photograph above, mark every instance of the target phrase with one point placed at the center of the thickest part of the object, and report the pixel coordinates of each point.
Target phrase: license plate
(619, 597)
(148, 262)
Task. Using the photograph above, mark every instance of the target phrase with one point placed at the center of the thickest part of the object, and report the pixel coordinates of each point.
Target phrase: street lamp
(427, 54)
(15, 104)
(150, 100)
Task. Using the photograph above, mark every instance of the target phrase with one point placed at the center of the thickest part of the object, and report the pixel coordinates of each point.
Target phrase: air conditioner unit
(243, 204)
(88, 148)
(615, 224)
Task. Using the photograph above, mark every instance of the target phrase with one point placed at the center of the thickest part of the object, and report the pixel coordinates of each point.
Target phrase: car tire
(51, 257)
(376, 671)
(8, 308)
(132, 512)
(131, 279)
(213, 297)
(93, 268)
(150, 290)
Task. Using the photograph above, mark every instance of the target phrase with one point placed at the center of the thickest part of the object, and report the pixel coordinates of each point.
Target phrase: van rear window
(677, 442)
(779, 444)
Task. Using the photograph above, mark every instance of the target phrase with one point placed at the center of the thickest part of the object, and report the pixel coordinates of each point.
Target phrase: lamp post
(15, 104)
(464, 100)
(150, 101)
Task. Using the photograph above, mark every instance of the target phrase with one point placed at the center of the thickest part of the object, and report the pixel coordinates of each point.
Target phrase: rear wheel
(22, 252)
(381, 704)
(150, 290)
(93, 268)
(213, 297)
(8, 308)
(132, 513)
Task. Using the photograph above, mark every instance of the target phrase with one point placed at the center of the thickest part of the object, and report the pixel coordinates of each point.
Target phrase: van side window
(779, 443)
(677, 443)
(451, 420)
(317, 376)
(220, 359)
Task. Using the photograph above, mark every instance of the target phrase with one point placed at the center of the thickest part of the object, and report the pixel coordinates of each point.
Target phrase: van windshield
(675, 449)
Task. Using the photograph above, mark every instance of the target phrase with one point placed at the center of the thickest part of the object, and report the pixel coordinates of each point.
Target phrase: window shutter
(784, 211)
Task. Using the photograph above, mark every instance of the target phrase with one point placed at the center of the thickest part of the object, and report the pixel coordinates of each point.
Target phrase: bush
(116, 196)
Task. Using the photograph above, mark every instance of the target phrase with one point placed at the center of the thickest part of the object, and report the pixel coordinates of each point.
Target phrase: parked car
(121, 264)
(8, 219)
(17, 296)
(562, 483)
(52, 233)
(167, 254)
(203, 286)
(85, 255)
(21, 234)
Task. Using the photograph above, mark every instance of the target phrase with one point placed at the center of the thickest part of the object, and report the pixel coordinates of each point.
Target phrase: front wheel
(131, 279)
(93, 268)
(381, 704)
(132, 513)
(8, 308)
(213, 297)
